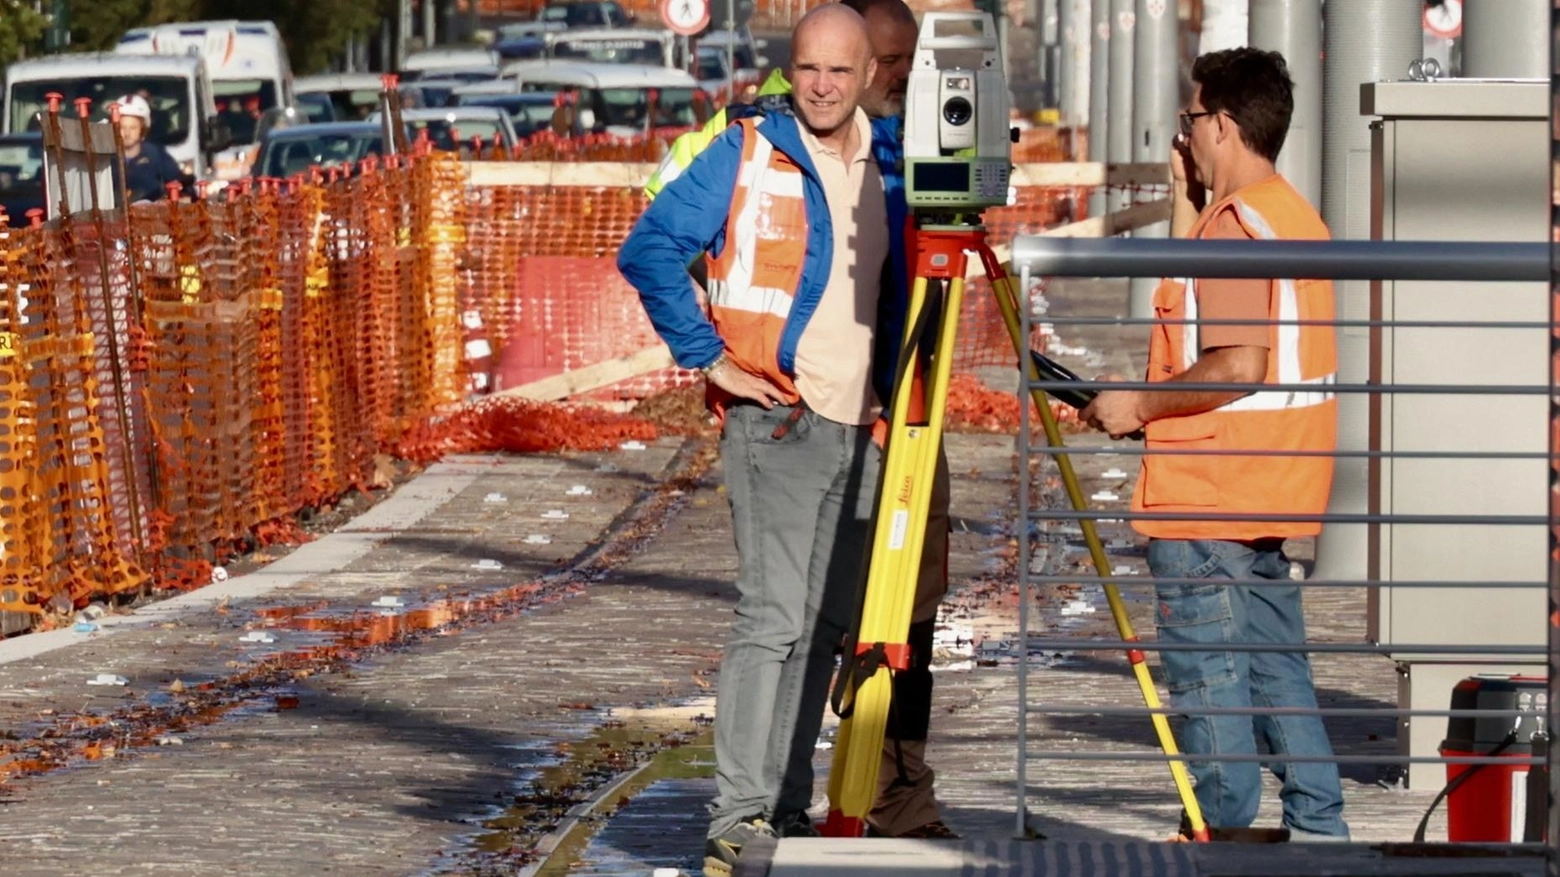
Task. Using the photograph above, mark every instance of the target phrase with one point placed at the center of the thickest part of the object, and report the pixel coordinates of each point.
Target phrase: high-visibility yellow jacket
(687, 147)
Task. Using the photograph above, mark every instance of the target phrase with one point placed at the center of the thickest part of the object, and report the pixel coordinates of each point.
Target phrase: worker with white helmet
(148, 167)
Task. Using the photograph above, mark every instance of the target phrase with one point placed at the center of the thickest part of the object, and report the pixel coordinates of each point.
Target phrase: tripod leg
(909, 467)
(1008, 302)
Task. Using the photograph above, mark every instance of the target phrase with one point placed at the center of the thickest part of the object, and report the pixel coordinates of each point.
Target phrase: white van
(246, 60)
(467, 63)
(612, 46)
(183, 112)
(616, 99)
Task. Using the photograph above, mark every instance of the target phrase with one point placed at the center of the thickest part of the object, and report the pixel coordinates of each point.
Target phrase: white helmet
(135, 106)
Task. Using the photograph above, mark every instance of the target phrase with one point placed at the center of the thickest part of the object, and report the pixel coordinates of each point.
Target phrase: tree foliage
(315, 30)
(20, 28)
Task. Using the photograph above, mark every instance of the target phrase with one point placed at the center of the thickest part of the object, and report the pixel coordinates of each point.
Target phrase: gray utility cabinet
(1457, 160)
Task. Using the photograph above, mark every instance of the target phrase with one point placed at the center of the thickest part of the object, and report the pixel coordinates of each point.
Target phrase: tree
(316, 31)
(20, 29)
(98, 24)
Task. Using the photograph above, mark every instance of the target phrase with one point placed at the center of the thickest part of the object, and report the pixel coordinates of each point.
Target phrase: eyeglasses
(1187, 119)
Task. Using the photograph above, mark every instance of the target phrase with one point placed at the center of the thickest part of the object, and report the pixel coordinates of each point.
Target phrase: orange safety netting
(181, 379)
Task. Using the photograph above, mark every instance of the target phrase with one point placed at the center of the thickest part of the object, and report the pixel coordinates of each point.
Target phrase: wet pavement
(505, 668)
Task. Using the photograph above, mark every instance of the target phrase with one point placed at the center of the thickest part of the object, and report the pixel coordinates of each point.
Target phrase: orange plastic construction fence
(180, 380)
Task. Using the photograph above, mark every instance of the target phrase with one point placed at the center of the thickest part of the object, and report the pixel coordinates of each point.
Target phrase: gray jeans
(801, 504)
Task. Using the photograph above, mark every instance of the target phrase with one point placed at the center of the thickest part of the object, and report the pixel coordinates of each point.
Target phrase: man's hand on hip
(745, 386)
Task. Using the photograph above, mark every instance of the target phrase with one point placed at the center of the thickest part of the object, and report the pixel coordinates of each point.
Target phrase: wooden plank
(610, 174)
(593, 377)
(1136, 216)
(1090, 173)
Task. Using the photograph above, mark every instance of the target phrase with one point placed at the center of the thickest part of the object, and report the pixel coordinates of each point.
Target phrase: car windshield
(240, 102)
(710, 66)
(615, 51)
(443, 132)
(21, 165)
(169, 97)
(628, 107)
(526, 113)
(576, 14)
(316, 107)
(288, 155)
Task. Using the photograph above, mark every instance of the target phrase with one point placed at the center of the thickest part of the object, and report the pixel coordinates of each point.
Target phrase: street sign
(685, 17)
(1445, 20)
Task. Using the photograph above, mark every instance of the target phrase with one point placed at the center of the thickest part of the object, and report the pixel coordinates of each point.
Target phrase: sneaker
(720, 853)
(795, 825)
(934, 830)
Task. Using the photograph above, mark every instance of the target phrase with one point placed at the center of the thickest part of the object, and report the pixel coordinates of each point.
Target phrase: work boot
(720, 853)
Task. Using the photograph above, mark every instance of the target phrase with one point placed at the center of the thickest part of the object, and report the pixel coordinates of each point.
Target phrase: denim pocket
(1191, 605)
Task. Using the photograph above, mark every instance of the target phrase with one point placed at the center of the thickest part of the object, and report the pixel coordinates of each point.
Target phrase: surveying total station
(958, 161)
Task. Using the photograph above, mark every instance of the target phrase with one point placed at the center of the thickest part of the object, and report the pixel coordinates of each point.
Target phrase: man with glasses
(1234, 456)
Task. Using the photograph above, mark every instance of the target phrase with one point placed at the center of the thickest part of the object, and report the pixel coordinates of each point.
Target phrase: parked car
(292, 150)
(528, 111)
(586, 13)
(450, 62)
(21, 174)
(613, 46)
(744, 50)
(625, 100)
(315, 107)
(446, 123)
(521, 48)
(351, 95)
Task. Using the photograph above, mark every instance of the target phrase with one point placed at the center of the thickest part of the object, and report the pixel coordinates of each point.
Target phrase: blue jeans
(1214, 613)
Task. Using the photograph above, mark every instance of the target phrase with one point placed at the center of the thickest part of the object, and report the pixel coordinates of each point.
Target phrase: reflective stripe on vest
(769, 204)
(1286, 346)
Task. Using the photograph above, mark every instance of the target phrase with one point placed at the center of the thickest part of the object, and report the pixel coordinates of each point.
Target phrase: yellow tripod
(864, 690)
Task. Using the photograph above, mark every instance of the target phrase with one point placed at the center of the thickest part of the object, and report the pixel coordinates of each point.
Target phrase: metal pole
(731, 50)
(1366, 41)
(1553, 822)
(1155, 74)
(1099, 93)
(1505, 39)
(1324, 260)
(403, 37)
(1050, 53)
(387, 57)
(1293, 28)
(1223, 25)
(1072, 73)
(1118, 148)
(430, 23)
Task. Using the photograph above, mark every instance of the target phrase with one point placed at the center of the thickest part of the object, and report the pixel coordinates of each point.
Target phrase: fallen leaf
(177, 687)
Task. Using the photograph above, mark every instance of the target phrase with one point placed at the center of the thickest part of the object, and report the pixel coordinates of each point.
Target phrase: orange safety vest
(752, 283)
(1296, 419)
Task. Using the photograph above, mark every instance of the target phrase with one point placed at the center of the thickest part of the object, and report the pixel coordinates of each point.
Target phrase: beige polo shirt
(834, 355)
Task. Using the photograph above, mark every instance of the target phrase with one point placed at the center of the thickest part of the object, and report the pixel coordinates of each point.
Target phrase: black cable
(1419, 833)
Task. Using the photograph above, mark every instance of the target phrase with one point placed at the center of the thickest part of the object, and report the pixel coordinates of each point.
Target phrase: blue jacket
(688, 219)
